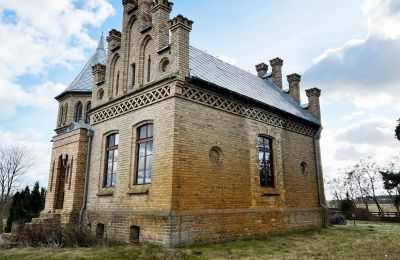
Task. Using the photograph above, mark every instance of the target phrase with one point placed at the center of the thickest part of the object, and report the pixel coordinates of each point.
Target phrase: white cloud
(40, 151)
(364, 71)
(33, 40)
(383, 17)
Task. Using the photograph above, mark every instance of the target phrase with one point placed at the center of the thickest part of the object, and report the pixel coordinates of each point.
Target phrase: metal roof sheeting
(209, 68)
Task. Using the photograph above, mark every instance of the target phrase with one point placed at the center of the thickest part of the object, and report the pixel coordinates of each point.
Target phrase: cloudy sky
(349, 49)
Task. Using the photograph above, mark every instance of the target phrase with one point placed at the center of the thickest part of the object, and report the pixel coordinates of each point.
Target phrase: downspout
(317, 166)
(85, 190)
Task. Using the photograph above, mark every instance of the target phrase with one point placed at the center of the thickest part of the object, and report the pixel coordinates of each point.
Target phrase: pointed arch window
(266, 163)
(144, 157)
(87, 116)
(78, 112)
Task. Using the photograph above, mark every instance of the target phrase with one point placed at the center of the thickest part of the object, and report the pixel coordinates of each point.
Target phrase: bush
(337, 219)
(55, 236)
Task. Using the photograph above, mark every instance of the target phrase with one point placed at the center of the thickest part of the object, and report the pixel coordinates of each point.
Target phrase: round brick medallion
(216, 156)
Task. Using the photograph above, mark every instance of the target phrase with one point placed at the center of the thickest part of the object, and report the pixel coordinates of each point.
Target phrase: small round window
(303, 168)
(216, 156)
(164, 65)
(100, 94)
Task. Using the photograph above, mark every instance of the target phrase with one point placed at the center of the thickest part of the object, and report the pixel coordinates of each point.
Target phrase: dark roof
(206, 67)
(84, 81)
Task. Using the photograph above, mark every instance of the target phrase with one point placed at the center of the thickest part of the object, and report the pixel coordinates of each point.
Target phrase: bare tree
(14, 164)
(365, 178)
(336, 187)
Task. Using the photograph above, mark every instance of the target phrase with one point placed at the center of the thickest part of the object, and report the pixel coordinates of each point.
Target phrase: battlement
(164, 4)
(180, 22)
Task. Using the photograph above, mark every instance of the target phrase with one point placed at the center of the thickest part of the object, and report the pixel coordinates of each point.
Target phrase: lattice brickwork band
(131, 104)
(209, 99)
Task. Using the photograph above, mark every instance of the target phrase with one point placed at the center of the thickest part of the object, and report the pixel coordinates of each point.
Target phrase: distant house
(180, 147)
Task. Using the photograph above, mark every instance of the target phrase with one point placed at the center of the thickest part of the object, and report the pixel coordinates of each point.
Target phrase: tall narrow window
(65, 114)
(117, 85)
(61, 116)
(148, 69)
(133, 79)
(78, 112)
(111, 165)
(265, 159)
(144, 160)
(87, 116)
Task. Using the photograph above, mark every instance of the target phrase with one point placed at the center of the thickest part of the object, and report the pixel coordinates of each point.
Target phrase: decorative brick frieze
(212, 100)
(132, 104)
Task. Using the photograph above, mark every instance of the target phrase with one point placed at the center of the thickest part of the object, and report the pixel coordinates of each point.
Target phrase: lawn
(367, 240)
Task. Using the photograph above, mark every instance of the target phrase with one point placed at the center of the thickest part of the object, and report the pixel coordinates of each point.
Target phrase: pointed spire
(101, 42)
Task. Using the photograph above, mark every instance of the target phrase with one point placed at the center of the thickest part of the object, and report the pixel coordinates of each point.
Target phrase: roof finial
(101, 42)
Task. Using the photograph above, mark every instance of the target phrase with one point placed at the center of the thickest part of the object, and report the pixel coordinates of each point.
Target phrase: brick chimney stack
(262, 70)
(114, 40)
(144, 13)
(276, 65)
(294, 86)
(181, 27)
(99, 73)
(161, 11)
(313, 102)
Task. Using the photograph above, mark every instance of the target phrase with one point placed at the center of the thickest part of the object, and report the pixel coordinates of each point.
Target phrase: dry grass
(365, 241)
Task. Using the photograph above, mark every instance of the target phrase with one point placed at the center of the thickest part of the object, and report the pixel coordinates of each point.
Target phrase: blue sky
(349, 49)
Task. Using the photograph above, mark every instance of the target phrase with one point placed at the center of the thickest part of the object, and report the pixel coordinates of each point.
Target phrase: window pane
(150, 130)
(267, 143)
(149, 148)
(108, 183)
(111, 140)
(110, 156)
(149, 162)
(115, 167)
(142, 149)
(149, 174)
(141, 163)
(140, 177)
(261, 142)
(142, 132)
(260, 156)
(267, 156)
(115, 155)
(116, 139)
(114, 180)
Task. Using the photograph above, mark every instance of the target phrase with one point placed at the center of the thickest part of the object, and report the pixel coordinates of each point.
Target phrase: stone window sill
(106, 192)
(270, 192)
(139, 190)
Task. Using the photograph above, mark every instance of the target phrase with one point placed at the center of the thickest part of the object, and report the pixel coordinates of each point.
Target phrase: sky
(350, 49)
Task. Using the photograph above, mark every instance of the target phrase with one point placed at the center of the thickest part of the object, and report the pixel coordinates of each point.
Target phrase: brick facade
(206, 182)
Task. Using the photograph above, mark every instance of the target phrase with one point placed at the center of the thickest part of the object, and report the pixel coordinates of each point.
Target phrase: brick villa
(160, 142)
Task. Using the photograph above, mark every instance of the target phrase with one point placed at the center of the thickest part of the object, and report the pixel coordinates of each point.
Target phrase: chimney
(99, 73)
(276, 65)
(161, 10)
(129, 6)
(144, 14)
(294, 86)
(180, 27)
(262, 70)
(313, 102)
(114, 40)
